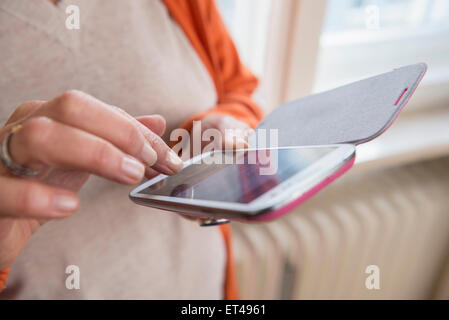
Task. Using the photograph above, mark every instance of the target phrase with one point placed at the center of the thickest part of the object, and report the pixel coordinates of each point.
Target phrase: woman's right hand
(66, 139)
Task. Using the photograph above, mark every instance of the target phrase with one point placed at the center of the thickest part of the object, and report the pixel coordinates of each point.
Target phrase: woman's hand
(66, 139)
(234, 132)
(234, 135)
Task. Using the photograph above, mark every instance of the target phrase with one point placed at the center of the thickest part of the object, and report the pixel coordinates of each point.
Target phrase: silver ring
(8, 162)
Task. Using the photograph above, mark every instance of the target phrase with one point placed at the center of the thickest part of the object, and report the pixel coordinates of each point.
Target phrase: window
(344, 15)
(247, 21)
(298, 47)
(365, 37)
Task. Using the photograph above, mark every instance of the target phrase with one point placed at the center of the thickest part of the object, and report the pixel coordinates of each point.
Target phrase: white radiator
(396, 219)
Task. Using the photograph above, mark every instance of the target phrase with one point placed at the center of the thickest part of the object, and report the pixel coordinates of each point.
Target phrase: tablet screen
(242, 179)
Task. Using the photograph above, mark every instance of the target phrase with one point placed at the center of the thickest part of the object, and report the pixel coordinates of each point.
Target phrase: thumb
(235, 139)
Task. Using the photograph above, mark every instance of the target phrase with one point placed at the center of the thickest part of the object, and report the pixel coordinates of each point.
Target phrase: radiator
(396, 219)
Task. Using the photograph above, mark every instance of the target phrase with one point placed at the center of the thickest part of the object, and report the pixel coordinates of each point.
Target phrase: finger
(24, 111)
(235, 139)
(44, 142)
(168, 161)
(29, 199)
(84, 112)
(155, 123)
(235, 133)
(150, 173)
(114, 125)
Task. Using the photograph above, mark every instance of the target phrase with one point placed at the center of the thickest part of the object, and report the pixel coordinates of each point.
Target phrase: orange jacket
(234, 83)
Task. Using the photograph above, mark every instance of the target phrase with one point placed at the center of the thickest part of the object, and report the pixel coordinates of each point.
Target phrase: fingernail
(229, 144)
(64, 202)
(132, 168)
(149, 155)
(174, 162)
(241, 143)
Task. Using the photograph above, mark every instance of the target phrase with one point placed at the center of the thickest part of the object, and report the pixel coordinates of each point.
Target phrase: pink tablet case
(287, 208)
(354, 114)
(351, 114)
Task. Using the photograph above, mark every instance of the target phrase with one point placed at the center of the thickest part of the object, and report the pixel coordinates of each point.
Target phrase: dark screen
(252, 174)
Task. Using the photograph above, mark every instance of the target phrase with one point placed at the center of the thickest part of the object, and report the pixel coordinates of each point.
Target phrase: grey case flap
(354, 113)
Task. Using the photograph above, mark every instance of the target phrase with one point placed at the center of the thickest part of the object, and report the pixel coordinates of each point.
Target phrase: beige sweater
(133, 55)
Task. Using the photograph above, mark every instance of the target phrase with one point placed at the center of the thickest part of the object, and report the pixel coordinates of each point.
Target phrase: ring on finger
(7, 160)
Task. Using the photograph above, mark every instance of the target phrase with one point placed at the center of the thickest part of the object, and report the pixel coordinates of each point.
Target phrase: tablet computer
(247, 184)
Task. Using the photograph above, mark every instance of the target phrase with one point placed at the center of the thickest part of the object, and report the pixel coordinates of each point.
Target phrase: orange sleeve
(3, 277)
(234, 83)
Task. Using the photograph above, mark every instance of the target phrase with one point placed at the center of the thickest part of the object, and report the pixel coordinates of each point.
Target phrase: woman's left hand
(234, 132)
(234, 135)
